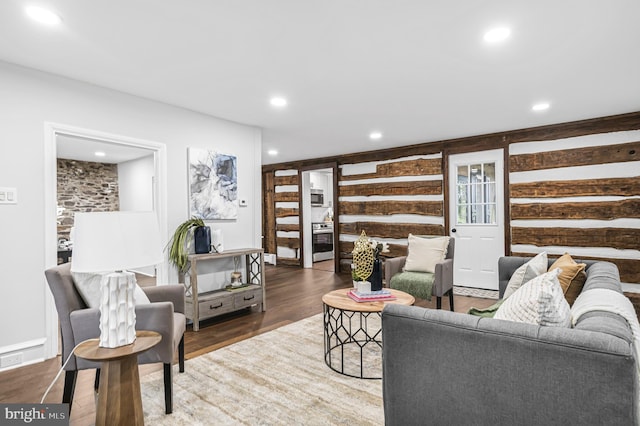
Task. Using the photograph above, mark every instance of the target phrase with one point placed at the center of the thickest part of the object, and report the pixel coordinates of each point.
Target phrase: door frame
(51, 131)
(506, 214)
(336, 213)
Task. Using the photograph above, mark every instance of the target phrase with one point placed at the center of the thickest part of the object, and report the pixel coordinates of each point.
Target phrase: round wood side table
(119, 400)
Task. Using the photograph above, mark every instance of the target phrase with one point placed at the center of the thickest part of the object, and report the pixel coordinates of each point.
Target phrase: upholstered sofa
(447, 368)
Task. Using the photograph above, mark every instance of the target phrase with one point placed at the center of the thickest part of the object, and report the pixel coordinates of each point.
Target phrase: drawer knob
(215, 307)
(249, 298)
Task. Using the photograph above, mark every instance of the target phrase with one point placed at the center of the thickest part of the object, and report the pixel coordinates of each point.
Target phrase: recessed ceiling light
(278, 102)
(495, 35)
(375, 136)
(541, 106)
(272, 152)
(43, 16)
(99, 154)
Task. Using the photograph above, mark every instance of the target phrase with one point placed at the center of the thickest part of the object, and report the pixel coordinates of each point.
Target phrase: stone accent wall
(85, 187)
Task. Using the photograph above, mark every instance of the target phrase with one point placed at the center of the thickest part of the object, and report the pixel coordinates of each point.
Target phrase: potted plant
(178, 244)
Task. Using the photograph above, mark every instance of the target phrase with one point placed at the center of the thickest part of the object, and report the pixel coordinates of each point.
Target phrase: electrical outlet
(9, 360)
(243, 203)
(8, 196)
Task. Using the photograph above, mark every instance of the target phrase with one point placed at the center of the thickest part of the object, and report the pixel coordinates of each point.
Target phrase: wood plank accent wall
(283, 236)
(578, 195)
(572, 187)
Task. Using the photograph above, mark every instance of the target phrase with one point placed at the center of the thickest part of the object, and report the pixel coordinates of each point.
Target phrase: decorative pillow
(570, 276)
(526, 272)
(539, 301)
(88, 285)
(424, 253)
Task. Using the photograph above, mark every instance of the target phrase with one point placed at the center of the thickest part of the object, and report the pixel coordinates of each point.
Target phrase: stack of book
(372, 296)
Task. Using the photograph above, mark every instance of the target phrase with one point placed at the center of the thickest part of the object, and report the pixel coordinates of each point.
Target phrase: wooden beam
(383, 208)
(423, 187)
(292, 243)
(286, 180)
(286, 197)
(577, 188)
(390, 230)
(269, 217)
(419, 167)
(286, 212)
(288, 261)
(575, 157)
(287, 227)
(605, 210)
(618, 238)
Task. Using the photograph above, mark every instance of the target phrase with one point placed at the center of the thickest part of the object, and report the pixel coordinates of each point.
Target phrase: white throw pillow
(539, 301)
(88, 285)
(424, 253)
(526, 272)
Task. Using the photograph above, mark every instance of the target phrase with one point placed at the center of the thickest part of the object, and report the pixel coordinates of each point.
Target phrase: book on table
(372, 296)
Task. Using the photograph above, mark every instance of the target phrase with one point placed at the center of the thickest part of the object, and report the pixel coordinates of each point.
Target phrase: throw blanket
(601, 299)
(418, 284)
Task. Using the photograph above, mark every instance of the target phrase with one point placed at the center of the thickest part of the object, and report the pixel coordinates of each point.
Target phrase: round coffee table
(353, 333)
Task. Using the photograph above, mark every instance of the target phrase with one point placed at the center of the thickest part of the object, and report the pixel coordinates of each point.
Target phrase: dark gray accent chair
(165, 315)
(443, 281)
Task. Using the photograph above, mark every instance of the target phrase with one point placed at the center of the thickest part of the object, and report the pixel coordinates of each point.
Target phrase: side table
(119, 400)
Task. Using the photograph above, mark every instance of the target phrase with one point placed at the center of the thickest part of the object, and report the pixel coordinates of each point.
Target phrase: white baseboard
(28, 352)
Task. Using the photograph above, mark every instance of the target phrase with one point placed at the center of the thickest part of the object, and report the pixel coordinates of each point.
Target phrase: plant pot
(202, 239)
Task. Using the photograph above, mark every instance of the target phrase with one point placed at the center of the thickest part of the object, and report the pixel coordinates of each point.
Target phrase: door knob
(453, 230)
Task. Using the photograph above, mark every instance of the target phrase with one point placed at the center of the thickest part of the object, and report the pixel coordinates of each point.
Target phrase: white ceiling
(415, 70)
(83, 149)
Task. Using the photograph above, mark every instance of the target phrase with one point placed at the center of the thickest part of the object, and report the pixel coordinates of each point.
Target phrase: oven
(322, 241)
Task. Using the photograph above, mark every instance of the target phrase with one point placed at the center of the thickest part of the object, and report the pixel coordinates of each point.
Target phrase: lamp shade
(114, 241)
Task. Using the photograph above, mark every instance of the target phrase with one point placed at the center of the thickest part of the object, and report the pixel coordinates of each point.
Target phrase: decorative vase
(376, 276)
(202, 238)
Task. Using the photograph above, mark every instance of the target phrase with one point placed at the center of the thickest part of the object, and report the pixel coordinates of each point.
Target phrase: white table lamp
(113, 242)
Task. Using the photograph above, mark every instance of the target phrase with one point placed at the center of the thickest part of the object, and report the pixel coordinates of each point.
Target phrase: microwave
(317, 197)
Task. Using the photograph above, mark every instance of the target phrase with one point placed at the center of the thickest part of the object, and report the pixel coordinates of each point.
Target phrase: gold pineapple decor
(363, 256)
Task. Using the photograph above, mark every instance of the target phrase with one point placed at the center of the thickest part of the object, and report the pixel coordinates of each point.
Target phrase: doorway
(59, 138)
(476, 216)
(319, 247)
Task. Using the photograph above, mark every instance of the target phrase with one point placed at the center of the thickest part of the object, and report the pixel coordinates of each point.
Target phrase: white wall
(31, 98)
(135, 184)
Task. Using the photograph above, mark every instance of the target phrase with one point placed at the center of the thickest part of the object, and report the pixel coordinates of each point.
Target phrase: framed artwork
(213, 185)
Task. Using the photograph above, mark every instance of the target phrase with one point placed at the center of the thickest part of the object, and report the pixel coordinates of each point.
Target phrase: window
(476, 194)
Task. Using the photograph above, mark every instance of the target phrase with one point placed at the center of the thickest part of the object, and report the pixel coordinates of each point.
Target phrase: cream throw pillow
(424, 253)
(526, 272)
(539, 301)
(88, 285)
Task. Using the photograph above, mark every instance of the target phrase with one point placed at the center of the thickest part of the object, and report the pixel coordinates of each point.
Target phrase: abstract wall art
(213, 185)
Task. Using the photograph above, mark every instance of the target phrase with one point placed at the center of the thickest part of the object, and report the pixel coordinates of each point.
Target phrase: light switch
(8, 196)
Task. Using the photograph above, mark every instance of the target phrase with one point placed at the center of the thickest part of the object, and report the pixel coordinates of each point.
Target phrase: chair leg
(181, 355)
(96, 382)
(69, 387)
(168, 389)
(451, 299)
(438, 302)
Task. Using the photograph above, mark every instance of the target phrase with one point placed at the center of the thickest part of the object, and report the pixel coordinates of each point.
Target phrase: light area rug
(276, 378)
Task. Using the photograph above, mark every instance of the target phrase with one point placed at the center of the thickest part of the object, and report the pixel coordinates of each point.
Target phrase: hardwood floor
(292, 294)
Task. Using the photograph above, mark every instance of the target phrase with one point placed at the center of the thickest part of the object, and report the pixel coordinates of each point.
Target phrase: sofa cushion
(88, 285)
(526, 272)
(572, 276)
(539, 301)
(424, 253)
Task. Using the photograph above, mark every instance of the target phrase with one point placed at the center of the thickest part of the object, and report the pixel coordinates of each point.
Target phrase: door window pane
(476, 193)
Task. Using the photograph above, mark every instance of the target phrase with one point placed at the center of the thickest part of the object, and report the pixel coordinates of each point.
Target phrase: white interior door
(476, 209)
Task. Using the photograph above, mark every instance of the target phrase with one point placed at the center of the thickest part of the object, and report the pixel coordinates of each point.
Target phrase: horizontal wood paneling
(629, 268)
(286, 197)
(620, 238)
(384, 208)
(286, 212)
(288, 261)
(292, 243)
(390, 230)
(428, 187)
(287, 227)
(577, 188)
(286, 180)
(395, 250)
(419, 167)
(585, 210)
(575, 157)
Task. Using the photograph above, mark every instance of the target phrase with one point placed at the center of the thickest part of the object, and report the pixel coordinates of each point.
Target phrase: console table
(201, 306)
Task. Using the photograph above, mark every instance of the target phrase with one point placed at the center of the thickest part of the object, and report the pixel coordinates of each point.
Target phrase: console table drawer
(217, 304)
(247, 298)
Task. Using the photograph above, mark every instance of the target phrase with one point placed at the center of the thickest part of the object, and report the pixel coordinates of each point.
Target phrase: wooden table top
(90, 350)
(340, 300)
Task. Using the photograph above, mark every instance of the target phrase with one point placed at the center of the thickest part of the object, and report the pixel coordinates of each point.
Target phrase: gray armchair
(165, 315)
(443, 277)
